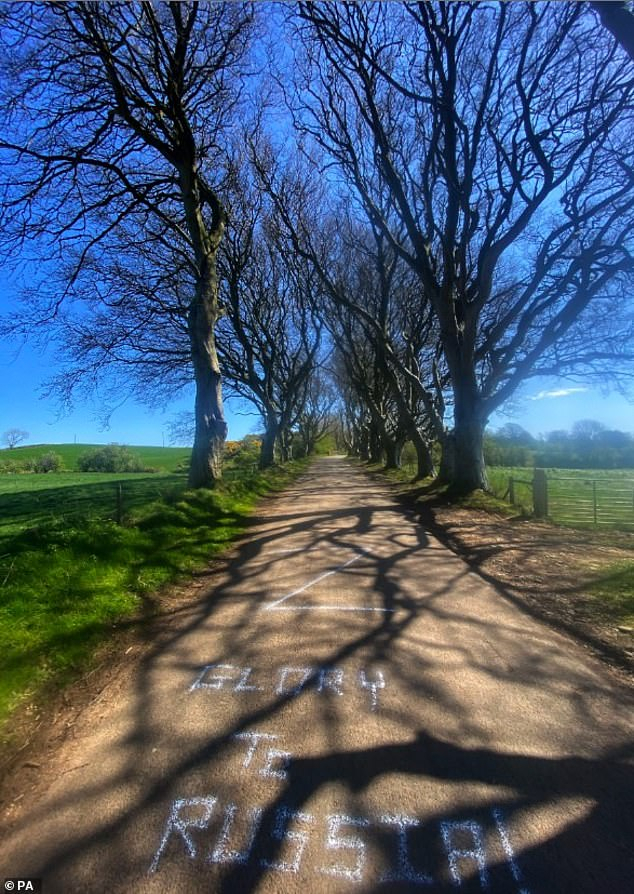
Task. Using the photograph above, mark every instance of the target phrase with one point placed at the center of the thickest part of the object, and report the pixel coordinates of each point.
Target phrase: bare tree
(315, 419)
(503, 132)
(353, 428)
(373, 284)
(120, 115)
(270, 334)
(368, 296)
(364, 370)
(123, 328)
(14, 436)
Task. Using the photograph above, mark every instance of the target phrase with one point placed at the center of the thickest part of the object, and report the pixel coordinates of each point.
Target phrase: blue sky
(25, 369)
(548, 404)
(22, 376)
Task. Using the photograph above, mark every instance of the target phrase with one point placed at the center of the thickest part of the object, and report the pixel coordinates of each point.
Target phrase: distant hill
(166, 459)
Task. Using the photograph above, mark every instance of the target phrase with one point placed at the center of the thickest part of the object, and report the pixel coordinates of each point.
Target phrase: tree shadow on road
(404, 637)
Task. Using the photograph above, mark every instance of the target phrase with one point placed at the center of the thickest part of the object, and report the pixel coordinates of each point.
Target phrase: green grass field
(165, 459)
(68, 571)
(30, 500)
(576, 497)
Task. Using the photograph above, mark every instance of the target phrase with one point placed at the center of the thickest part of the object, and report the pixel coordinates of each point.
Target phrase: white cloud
(559, 392)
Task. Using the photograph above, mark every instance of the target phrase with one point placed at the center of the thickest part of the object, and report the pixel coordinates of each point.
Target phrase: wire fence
(69, 497)
(239, 472)
(79, 497)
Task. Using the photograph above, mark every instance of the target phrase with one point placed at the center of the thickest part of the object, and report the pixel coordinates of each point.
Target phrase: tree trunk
(469, 469)
(424, 459)
(267, 450)
(307, 434)
(447, 458)
(619, 20)
(361, 443)
(462, 464)
(465, 448)
(375, 446)
(211, 428)
(393, 451)
(286, 446)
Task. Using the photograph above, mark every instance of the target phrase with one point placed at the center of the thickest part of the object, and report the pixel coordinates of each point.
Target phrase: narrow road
(349, 708)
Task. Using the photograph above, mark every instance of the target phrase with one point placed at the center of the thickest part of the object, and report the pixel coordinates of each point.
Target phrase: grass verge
(64, 584)
(65, 498)
(614, 591)
(428, 492)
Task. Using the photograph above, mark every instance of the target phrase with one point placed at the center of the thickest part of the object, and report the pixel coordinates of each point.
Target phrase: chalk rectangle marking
(271, 606)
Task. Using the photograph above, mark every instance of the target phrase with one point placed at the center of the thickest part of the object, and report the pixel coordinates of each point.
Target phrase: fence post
(540, 493)
(119, 503)
(511, 492)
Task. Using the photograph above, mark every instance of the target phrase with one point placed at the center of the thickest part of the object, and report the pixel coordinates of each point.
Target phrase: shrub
(245, 452)
(111, 458)
(14, 466)
(49, 462)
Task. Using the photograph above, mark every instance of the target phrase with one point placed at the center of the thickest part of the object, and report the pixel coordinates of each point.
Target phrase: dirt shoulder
(548, 569)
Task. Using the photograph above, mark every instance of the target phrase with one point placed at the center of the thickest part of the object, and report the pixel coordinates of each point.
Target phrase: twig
(8, 573)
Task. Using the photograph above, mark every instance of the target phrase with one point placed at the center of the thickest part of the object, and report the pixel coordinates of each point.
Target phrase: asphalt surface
(348, 708)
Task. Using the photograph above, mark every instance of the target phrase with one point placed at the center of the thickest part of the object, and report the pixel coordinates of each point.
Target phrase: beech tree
(383, 429)
(372, 284)
(123, 326)
(316, 420)
(503, 132)
(367, 293)
(270, 335)
(119, 115)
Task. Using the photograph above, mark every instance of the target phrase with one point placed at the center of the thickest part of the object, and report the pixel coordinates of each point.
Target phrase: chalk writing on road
(340, 842)
(275, 762)
(288, 603)
(277, 838)
(291, 681)
(389, 847)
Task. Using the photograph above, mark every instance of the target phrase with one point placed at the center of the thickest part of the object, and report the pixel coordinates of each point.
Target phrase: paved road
(350, 708)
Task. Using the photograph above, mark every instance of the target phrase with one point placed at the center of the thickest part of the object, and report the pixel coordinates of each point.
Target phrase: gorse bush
(245, 452)
(111, 458)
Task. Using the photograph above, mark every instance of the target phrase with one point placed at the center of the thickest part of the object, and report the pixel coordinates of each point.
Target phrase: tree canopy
(434, 202)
